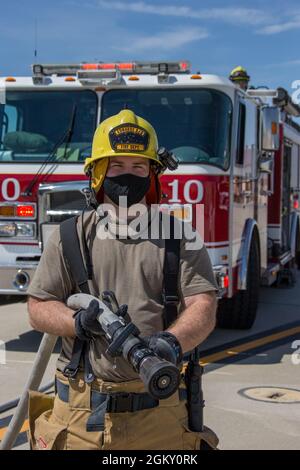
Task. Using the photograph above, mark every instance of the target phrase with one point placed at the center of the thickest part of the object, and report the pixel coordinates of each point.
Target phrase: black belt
(120, 402)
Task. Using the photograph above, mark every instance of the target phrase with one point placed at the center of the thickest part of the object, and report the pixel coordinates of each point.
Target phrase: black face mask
(132, 186)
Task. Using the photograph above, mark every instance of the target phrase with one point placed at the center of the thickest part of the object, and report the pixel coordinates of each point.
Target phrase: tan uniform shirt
(133, 270)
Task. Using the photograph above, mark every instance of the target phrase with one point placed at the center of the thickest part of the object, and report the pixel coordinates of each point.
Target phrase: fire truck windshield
(194, 123)
(33, 122)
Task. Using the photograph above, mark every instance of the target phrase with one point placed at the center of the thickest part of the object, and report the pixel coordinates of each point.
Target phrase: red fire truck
(238, 152)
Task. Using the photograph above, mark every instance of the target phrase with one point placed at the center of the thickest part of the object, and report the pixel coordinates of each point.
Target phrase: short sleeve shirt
(133, 270)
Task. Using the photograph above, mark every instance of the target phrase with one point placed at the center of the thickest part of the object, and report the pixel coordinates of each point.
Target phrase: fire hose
(160, 377)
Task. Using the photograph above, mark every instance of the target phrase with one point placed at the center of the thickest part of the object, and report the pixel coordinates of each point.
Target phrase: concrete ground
(243, 423)
(240, 422)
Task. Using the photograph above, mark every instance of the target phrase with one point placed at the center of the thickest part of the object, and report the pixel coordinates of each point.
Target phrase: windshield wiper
(65, 138)
(53, 167)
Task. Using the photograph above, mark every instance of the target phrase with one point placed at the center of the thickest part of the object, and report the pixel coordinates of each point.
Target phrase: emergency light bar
(281, 98)
(123, 67)
(102, 77)
(261, 93)
(284, 100)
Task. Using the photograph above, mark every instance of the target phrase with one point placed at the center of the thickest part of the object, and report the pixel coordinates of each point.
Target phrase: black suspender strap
(73, 256)
(78, 352)
(72, 253)
(170, 277)
(87, 258)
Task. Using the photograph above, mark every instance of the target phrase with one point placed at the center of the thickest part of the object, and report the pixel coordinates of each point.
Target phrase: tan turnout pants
(56, 425)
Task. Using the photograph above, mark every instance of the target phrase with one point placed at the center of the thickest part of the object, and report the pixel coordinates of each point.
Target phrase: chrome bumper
(10, 275)
(219, 272)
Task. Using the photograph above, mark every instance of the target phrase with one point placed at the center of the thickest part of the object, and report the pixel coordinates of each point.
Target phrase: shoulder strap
(170, 280)
(72, 253)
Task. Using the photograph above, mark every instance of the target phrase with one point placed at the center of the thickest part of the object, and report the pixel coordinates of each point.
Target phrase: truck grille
(60, 201)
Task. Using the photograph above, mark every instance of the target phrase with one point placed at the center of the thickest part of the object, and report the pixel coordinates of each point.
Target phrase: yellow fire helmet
(124, 134)
(239, 74)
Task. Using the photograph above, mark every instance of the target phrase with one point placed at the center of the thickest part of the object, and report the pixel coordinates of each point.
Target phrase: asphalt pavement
(242, 369)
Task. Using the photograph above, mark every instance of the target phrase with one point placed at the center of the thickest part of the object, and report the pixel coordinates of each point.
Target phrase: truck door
(244, 171)
(285, 198)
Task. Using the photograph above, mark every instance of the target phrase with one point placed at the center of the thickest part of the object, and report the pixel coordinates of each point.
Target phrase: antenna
(35, 38)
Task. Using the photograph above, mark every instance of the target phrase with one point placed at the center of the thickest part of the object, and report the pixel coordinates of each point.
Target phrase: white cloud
(265, 21)
(293, 62)
(282, 64)
(280, 28)
(237, 16)
(165, 41)
(289, 20)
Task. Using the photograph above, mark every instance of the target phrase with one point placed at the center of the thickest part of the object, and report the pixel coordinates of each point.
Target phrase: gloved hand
(166, 346)
(86, 323)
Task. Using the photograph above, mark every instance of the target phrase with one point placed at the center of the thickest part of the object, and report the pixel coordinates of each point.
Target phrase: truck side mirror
(270, 129)
(266, 164)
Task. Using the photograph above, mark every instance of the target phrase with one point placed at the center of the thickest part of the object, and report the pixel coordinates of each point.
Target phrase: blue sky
(215, 35)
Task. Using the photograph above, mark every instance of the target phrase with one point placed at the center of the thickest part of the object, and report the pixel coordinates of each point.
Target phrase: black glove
(86, 323)
(122, 311)
(166, 346)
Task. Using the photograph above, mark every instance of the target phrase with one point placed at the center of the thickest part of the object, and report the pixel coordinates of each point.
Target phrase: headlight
(25, 230)
(19, 230)
(8, 229)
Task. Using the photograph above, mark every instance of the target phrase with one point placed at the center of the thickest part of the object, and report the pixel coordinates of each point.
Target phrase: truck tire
(297, 257)
(239, 312)
(298, 260)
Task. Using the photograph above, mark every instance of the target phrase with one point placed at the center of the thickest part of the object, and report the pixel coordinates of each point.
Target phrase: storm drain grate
(272, 394)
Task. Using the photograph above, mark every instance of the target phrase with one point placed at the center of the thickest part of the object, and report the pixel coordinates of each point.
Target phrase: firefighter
(100, 402)
(240, 77)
